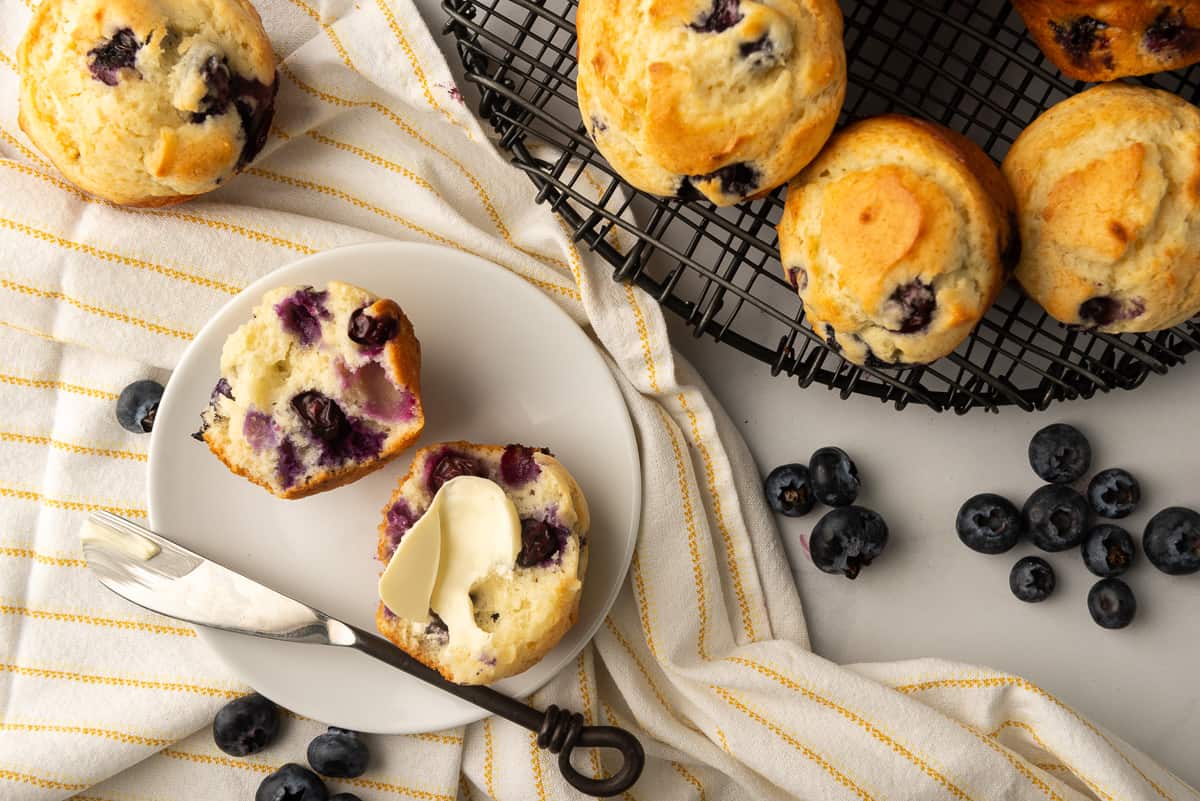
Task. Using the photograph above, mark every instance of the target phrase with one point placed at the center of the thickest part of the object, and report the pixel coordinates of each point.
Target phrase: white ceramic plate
(501, 363)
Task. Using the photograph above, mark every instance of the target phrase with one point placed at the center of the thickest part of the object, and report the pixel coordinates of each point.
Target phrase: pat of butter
(127, 543)
(470, 531)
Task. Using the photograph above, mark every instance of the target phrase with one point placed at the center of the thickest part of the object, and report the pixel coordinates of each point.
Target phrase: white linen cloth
(705, 654)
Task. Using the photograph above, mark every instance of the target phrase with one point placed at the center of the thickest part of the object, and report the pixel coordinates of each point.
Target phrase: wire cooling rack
(968, 65)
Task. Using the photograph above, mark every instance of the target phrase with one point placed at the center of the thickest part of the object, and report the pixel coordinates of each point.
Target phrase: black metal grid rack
(968, 65)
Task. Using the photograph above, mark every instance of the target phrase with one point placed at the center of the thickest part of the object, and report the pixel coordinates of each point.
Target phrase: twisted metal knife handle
(559, 731)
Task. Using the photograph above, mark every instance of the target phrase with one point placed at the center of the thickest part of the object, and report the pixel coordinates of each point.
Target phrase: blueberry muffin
(898, 239)
(147, 102)
(524, 611)
(318, 388)
(721, 98)
(1100, 41)
(1107, 185)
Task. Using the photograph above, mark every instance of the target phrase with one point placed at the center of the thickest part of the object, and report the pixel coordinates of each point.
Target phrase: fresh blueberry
(1172, 541)
(292, 782)
(834, 477)
(218, 82)
(1056, 517)
(451, 465)
(789, 491)
(1107, 550)
(518, 466)
(989, 523)
(1060, 454)
(1111, 603)
(106, 60)
(846, 540)
(1032, 579)
(915, 303)
(372, 330)
(540, 541)
(255, 104)
(739, 179)
(1104, 310)
(246, 725)
(1114, 493)
(340, 753)
(322, 415)
(137, 406)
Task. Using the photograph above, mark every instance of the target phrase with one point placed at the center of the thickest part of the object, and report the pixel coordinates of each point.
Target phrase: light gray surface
(929, 595)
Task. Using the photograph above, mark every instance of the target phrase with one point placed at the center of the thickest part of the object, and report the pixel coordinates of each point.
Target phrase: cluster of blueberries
(249, 724)
(848, 537)
(1058, 518)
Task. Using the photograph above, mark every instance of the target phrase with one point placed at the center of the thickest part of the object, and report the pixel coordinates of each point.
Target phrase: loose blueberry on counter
(106, 60)
(372, 331)
(246, 725)
(1172, 541)
(1108, 550)
(834, 477)
(789, 491)
(1114, 493)
(321, 414)
(340, 753)
(1056, 518)
(1111, 603)
(1032, 579)
(137, 406)
(989, 524)
(292, 782)
(1060, 454)
(846, 540)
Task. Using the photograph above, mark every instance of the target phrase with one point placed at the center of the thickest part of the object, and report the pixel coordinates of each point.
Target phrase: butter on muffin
(147, 102)
(1099, 40)
(520, 610)
(1108, 192)
(898, 239)
(317, 389)
(721, 98)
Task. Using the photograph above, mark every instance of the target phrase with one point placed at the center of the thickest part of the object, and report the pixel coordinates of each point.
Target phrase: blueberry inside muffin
(527, 608)
(147, 102)
(319, 388)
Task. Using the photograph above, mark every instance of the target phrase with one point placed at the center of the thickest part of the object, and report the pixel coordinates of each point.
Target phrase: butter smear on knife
(470, 531)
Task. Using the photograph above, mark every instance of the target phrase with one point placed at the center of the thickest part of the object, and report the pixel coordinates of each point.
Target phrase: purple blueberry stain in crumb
(302, 312)
(1079, 37)
(218, 81)
(324, 418)
(289, 465)
(106, 60)
(760, 53)
(381, 399)
(1105, 310)
(372, 330)
(1170, 35)
(915, 303)
(723, 14)
(738, 179)
(360, 442)
(450, 465)
(540, 543)
(518, 466)
(259, 430)
(400, 519)
(222, 388)
(388, 614)
(599, 126)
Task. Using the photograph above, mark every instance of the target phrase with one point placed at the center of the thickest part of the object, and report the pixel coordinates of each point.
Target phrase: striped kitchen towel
(705, 654)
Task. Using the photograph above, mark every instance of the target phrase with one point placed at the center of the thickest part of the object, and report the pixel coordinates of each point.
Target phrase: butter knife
(155, 573)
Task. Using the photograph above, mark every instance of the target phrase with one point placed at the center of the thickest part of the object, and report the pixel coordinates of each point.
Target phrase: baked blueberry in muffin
(319, 388)
(1099, 40)
(1107, 186)
(147, 102)
(898, 238)
(716, 99)
(523, 609)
